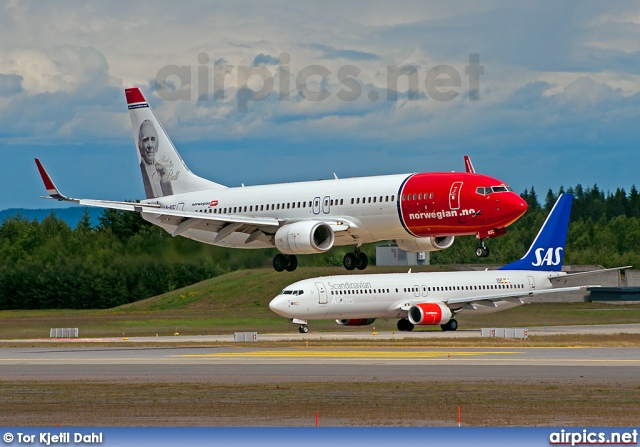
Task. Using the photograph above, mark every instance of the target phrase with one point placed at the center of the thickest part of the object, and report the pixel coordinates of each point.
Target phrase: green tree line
(47, 264)
(604, 230)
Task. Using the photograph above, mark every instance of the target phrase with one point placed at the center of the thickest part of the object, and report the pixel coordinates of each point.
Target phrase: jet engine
(418, 244)
(356, 322)
(304, 237)
(429, 314)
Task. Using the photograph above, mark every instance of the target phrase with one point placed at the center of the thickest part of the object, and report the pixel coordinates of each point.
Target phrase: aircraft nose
(515, 205)
(279, 305)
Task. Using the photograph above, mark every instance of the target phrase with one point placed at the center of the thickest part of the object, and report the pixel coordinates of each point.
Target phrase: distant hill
(70, 215)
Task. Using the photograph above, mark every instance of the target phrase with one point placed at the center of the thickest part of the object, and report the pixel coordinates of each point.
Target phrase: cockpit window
(286, 292)
(484, 190)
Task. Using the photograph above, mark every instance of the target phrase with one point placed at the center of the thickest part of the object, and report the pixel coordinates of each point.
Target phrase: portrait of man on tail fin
(154, 174)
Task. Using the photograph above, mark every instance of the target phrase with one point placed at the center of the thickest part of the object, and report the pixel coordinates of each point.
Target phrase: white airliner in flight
(420, 211)
(433, 298)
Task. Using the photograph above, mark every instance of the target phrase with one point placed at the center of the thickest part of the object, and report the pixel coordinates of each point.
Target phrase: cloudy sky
(555, 99)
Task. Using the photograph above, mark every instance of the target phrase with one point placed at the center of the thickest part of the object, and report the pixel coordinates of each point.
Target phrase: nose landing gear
(482, 251)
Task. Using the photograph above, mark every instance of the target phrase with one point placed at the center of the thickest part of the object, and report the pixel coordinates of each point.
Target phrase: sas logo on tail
(551, 257)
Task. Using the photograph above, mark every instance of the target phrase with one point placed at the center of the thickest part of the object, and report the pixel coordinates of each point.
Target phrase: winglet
(54, 193)
(547, 250)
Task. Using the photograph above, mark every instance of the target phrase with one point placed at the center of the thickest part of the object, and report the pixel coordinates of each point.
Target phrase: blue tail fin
(547, 251)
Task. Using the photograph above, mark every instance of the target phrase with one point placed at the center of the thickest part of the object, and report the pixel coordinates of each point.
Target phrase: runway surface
(265, 365)
(246, 364)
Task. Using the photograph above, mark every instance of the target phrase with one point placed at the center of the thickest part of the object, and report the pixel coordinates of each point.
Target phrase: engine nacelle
(304, 237)
(429, 314)
(418, 244)
(356, 322)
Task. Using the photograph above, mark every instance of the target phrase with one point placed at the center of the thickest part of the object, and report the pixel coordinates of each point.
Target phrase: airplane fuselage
(374, 208)
(385, 295)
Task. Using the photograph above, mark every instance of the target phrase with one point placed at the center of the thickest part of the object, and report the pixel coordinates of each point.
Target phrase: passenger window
(420, 196)
(352, 201)
(358, 200)
(392, 198)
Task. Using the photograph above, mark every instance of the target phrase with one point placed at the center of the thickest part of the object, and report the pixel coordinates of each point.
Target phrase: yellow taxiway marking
(350, 354)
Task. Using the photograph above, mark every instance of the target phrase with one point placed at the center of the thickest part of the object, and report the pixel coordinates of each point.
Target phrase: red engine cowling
(429, 314)
(356, 322)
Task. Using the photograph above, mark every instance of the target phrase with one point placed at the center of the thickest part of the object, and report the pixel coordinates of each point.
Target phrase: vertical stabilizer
(547, 250)
(163, 171)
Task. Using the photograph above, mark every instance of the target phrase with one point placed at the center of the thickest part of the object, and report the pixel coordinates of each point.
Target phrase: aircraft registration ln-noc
(419, 211)
(435, 298)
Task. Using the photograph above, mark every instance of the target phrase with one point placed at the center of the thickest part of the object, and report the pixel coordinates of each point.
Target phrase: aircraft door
(322, 293)
(181, 206)
(417, 290)
(454, 195)
(532, 283)
(425, 292)
(316, 205)
(326, 205)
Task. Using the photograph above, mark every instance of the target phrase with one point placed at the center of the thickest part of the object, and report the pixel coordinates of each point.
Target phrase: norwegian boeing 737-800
(420, 211)
(433, 298)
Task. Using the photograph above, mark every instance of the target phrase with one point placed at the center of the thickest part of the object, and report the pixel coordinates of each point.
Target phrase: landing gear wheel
(362, 261)
(349, 261)
(405, 325)
(279, 262)
(482, 251)
(293, 263)
(303, 329)
(451, 325)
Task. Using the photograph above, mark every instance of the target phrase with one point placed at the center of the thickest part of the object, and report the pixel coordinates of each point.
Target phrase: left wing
(257, 228)
(515, 297)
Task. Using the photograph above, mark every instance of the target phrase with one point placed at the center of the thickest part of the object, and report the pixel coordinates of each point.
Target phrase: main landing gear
(357, 260)
(285, 262)
(482, 251)
(303, 329)
(405, 325)
(451, 325)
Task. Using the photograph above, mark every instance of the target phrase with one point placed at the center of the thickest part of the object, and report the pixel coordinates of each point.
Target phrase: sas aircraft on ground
(419, 211)
(431, 298)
